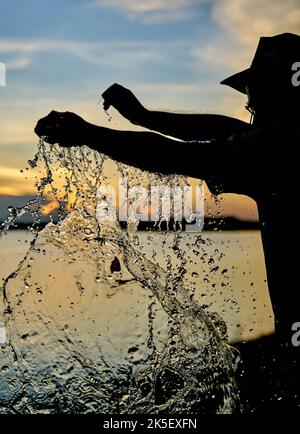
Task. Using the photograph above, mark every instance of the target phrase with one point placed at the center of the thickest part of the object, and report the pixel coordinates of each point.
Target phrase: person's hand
(125, 102)
(65, 128)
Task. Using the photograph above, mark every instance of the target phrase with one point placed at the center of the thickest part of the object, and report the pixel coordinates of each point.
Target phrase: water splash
(85, 336)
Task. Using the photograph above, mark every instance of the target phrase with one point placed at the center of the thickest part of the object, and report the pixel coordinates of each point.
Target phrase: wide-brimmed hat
(274, 55)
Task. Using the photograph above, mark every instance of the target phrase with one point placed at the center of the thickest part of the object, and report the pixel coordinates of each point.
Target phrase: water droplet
(12, 210)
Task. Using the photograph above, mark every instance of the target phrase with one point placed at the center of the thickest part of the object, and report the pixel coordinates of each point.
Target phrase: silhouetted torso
(264, 166)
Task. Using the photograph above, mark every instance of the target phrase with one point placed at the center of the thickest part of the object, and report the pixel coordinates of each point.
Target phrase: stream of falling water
(94, 325)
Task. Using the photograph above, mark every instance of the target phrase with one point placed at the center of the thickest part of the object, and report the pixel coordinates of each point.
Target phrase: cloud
(110, 53)
(247, 20)
(35, 45)
(154, 11)
(18, 63)
(27, 48)
(238, 26)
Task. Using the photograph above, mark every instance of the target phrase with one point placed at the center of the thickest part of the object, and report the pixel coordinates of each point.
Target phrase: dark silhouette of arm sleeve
(193, 126)
(156, 153)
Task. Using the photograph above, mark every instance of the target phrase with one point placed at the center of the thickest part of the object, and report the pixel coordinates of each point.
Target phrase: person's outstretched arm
(180, 125)
(145, 150)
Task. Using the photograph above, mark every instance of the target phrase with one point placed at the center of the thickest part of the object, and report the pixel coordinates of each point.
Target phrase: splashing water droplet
(134, 342)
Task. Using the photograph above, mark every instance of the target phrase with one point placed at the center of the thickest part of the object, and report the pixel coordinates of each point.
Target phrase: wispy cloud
(247, 20)
(154, 11)
(35, 45)
(111, 53)
(18, 63)
(239, 25)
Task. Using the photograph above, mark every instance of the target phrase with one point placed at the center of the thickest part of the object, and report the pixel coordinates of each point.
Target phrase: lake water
(237, 289)
(94, 318)
(80, 335)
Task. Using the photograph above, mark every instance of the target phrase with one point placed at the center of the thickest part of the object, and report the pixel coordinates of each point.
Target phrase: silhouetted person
(257, 159)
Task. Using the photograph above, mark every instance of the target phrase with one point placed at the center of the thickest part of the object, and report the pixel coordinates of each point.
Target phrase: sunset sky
(62, 54)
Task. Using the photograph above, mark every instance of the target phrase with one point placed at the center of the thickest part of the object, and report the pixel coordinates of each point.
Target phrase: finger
(106, 105)
(106, 95)
(38, 129)
(54, 114)
(51, 139)
(46, 122)
(43, 130)
(112, 95)
(110, 90)
(107, 99)
(66, 144)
